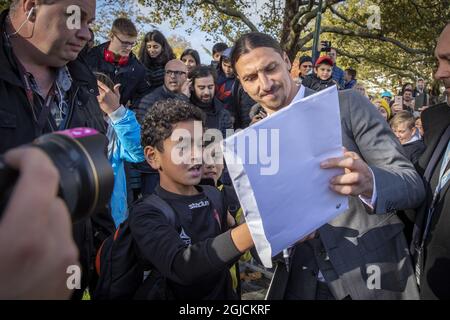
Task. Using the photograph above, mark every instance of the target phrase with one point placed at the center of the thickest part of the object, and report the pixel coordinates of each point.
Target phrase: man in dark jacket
(305, 66)
(242, 105)
(115, 59)
(176, 86)
(45, 88)
(350, 78)
(74, 87)
(202, 96)
(431, 236)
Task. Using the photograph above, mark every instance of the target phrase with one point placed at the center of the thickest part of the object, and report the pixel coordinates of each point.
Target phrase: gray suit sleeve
(398, 184)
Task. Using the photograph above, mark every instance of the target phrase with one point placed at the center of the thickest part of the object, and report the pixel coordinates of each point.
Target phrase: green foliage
(178, 44)
(401, 50)
(4, 4)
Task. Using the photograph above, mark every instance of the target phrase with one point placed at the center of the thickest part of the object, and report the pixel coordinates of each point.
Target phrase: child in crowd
(195, 252)
(124, 134)
(403, 126)
(322, 76)
(212, 172)
(383, 108)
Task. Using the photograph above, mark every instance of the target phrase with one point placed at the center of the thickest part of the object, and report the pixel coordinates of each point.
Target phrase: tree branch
(232, 12)
(346, 19)
(359, 58)
(302, 19)
(380, 37)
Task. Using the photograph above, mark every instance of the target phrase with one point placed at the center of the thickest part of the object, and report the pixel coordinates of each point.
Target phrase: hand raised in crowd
(36, 245)
(186, 88)
(357, 179)
(396, 108)
(108, 99)
(258, 117)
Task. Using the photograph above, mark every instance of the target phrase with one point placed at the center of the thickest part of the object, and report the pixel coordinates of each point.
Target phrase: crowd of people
(177, 230)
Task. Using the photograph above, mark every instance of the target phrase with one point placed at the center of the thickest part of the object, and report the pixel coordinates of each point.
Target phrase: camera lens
(86, 177)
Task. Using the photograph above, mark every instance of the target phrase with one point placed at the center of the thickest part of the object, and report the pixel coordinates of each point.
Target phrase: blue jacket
(351, 84)
(124, 134)
(338, 76)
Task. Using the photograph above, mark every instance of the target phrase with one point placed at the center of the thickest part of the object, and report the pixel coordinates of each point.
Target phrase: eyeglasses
(175, 73)
(125, 44)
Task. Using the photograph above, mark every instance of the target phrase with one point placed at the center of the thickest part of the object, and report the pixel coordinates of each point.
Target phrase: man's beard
(208, 101)
(199, 103)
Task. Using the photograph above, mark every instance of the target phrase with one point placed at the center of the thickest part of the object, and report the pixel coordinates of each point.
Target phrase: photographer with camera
(36, 246)
(45, 87)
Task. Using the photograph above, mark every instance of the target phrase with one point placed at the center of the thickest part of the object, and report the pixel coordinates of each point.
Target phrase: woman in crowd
(383, 108)
(191, 59)
(155, 52)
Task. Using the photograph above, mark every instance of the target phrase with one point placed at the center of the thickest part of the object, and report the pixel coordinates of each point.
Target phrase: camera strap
(45, 108)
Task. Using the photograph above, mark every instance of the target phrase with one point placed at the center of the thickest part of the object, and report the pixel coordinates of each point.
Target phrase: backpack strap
(215, 196)
(163, 206)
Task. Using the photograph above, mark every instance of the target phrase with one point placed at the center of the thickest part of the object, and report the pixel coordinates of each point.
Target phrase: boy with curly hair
(194, 253)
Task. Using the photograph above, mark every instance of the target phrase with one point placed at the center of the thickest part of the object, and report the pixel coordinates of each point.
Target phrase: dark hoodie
(155, 69)
(216, 116)
(224, 85)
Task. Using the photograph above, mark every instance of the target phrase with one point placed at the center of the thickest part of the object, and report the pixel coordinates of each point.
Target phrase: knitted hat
(385, 106)
(386, 94)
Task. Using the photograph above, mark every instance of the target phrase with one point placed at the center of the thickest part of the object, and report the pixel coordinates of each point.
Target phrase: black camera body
(86, 176)
(326, 46)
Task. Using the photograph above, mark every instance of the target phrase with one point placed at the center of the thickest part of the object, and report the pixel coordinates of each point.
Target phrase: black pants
(323, 292)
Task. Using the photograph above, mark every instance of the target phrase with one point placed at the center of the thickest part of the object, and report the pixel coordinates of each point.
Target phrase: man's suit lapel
(435, 121)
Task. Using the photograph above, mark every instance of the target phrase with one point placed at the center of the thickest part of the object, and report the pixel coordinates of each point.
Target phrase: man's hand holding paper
(275, 168)
(357, 179)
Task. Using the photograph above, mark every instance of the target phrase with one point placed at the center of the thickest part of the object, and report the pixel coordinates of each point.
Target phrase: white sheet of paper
(275, 169)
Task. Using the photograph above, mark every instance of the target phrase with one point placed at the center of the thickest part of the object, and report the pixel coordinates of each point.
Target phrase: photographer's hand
(36, 244)
(109, 100)
(397, 108)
